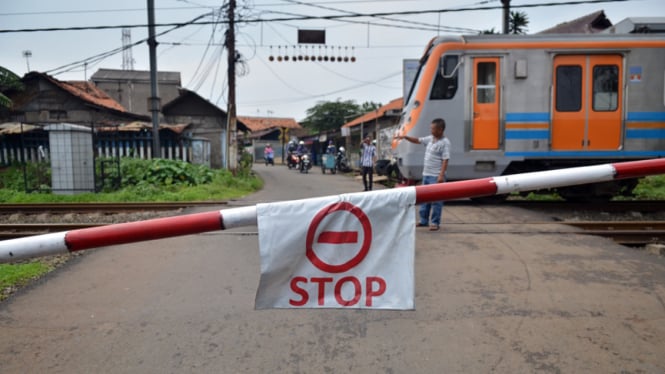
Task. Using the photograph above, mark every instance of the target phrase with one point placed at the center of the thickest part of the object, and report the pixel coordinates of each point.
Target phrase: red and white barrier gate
(77, 240)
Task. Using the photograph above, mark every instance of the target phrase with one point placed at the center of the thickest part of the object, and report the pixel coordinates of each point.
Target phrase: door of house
(587, 102)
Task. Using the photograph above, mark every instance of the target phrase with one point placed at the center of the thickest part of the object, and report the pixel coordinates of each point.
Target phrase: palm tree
(518, 22)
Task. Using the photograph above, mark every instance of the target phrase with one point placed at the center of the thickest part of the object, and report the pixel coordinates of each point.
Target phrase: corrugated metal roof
(396, 104)
(135, 76)
(264, 123)
(8, 128)
(136, 126)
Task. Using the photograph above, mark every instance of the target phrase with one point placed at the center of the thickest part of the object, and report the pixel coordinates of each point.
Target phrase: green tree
(330, 115)
(518, 22)
(8, 81)
(369, 106)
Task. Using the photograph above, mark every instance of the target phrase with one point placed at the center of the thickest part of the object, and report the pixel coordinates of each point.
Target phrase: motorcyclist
(269, 154)
(331, 148)
(340, 160)
(301, 150)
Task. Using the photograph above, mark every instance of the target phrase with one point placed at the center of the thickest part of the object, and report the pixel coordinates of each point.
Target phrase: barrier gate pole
(122, 233)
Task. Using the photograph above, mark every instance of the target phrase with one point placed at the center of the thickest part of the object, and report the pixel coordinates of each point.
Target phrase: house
(131, 88)
(45, 99)
(269, 130)
(588, 24)
(379, 124)
(204, 121)
(631, 25)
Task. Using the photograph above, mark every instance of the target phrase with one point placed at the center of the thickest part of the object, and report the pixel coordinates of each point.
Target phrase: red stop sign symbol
(339, 237)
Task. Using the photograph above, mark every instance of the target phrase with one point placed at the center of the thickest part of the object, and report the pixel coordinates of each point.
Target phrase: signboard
(409, 71)
(346, 251)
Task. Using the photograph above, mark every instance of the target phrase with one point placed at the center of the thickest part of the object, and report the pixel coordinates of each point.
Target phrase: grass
(13, 276)
(143, 181)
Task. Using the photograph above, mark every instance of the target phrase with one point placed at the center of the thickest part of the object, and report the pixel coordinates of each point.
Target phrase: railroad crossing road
(496, 302)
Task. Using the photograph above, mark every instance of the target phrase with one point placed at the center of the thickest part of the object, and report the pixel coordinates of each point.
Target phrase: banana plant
(8, 81)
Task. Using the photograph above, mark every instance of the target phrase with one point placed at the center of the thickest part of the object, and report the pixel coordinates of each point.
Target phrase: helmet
(341, 149)
(268, 145)
(330, 141)
(301, 142)
(374, 141)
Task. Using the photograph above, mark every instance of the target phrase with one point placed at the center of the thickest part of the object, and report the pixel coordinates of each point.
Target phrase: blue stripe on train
(545, 117)
(528, 117)
(646, 116)
(645, 134)
(587, 154)
(527, 134)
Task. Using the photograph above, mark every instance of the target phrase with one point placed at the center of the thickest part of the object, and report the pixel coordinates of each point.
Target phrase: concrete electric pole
(232, 125)
(153, 100)
(506, 15)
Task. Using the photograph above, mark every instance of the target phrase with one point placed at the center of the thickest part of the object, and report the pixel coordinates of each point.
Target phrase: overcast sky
(280, 89)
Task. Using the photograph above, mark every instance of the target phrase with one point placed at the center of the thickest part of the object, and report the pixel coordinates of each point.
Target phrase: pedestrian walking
(367, 160)
(437, 154)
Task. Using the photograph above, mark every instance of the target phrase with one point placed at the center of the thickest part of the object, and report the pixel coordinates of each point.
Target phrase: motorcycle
(270, 160)
(292, 160)
(341, 163)
(305, 163)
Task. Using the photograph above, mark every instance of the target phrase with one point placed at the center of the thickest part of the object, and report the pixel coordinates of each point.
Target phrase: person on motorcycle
(331, 148)
(269, 154)
(301, 150)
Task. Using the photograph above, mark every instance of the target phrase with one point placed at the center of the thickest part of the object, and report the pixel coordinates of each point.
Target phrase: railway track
(61, 208)
(633, 233)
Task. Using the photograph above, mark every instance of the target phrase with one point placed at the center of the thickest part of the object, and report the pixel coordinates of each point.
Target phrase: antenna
(127, 59)
(27, 54)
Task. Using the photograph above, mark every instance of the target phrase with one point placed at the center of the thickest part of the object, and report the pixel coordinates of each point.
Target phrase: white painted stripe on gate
(554, 178)
(32, 246)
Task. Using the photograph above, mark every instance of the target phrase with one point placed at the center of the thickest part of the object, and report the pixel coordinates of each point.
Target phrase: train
(522, 103)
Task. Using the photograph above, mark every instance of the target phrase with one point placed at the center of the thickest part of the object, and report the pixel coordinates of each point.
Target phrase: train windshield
(416, 83)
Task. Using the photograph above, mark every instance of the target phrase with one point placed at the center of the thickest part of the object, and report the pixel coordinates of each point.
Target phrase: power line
(307, 18)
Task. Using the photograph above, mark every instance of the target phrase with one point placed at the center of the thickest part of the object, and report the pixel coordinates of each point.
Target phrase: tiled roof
(264, 123)
(394, 105)
(85, 91)
(589, 24)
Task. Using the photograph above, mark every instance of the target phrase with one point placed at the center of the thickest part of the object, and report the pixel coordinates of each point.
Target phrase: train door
(485, 123)
(587, 102)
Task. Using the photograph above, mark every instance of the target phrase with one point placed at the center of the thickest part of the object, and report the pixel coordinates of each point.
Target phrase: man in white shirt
(437, 154)
(367, 160)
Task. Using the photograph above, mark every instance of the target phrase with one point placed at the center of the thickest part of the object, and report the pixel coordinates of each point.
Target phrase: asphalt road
(499, 302)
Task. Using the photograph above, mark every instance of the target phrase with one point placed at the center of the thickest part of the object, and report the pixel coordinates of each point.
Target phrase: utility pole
(232, 125)
(506, 15)
(153, 100)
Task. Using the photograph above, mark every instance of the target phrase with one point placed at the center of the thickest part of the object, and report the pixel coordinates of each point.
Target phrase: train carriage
(536, 102)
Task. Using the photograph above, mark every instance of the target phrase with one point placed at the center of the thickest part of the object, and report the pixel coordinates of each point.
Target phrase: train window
(605, 88)
(486, 82)
(568, 88)
(445, 83)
